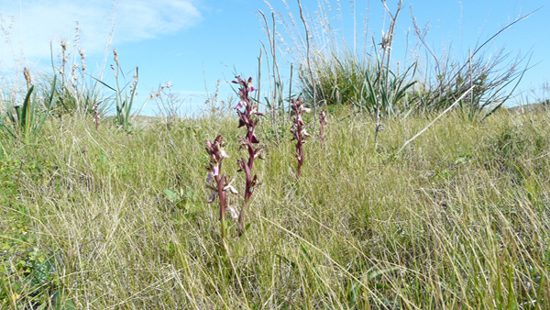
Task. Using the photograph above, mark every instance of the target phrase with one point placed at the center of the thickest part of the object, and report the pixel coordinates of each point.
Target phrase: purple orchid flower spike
(222, 183)
(245, 110)
(323, 123)
(298, 131)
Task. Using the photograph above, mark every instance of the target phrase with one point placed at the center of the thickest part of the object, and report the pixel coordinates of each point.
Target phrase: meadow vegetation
(108, 220)
(102, 211)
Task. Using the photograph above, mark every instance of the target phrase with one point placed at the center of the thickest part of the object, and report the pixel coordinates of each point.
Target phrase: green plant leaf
(171, 195)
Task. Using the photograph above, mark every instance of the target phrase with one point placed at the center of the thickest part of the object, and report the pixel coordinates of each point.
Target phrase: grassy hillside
(111, 213)
(105, 219)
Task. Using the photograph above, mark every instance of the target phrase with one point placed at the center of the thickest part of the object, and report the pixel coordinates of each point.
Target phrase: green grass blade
(27, 112)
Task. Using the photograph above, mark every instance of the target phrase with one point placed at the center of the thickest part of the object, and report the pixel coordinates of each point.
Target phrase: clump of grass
(333, 72)
(338, 80)
(493, 78)
(77, 95)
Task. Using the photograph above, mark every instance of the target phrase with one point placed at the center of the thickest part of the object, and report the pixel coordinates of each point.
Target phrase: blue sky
(193, 43)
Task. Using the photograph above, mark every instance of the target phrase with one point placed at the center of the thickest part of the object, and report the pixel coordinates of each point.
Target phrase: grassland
(104, 212)
(105, 219)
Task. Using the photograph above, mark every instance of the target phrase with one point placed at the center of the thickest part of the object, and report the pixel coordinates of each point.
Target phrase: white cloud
(37, 22)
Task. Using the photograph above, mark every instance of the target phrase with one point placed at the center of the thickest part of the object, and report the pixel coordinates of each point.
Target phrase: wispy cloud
(29, 26)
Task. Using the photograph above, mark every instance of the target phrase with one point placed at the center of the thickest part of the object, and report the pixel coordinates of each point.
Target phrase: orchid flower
(298, 131)
(221, 183)
(245, 109)
(323, 122)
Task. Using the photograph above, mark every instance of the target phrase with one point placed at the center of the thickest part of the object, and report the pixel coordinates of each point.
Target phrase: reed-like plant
(248, 118)
(124, 99)
(25, 121)
(124, 103)
(75, 94)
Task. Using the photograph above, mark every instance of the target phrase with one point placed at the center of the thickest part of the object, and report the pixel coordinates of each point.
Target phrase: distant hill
(529, 108)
